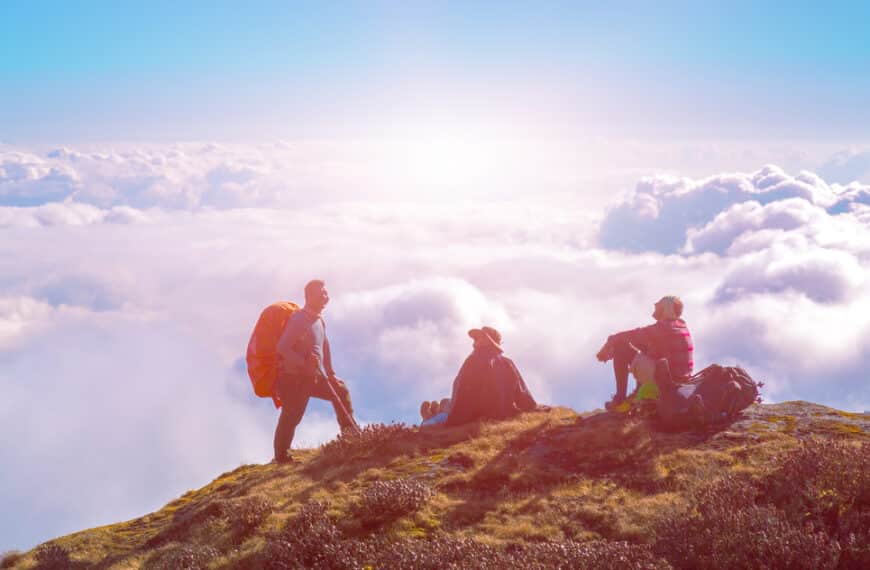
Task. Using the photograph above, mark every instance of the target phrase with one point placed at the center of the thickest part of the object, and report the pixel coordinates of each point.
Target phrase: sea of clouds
(130, 281)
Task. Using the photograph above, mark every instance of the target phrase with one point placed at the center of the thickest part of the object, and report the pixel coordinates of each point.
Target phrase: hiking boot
(426, 410)
(618, 405)
(286, 460)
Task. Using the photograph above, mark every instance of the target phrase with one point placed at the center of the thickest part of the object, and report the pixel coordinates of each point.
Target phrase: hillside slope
(785, 484)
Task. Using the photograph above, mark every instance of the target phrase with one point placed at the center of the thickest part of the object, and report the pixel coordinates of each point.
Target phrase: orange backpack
(262, 357)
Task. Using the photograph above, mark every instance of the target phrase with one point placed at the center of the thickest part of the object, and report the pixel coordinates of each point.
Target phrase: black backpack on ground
(712, 396)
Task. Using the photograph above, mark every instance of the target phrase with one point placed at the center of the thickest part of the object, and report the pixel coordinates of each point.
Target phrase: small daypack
(721, 401)
(262, 355)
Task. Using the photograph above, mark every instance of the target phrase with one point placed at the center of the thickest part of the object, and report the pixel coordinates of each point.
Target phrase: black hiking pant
(294, 392)
(623, 353)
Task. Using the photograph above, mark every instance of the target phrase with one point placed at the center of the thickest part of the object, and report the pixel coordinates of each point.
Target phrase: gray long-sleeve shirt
(304, 334)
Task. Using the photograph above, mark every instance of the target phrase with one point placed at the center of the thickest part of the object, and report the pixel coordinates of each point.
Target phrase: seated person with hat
(488, 385)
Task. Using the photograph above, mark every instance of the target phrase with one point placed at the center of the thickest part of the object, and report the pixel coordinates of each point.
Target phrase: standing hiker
(305, 371)
(637, 350)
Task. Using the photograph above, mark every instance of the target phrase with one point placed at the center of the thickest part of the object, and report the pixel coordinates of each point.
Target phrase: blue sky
(73, 71)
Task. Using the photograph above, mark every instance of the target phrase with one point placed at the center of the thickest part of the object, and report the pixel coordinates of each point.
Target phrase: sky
(169, 169)
(109, 71)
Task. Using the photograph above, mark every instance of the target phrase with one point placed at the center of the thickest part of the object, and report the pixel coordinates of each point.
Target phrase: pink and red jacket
(666, 338)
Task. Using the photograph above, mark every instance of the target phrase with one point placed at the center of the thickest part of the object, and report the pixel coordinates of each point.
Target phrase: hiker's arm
(639, 337)
(457, 406)
(457, 412)
(522, 396)
(460, 378)
(455, 390)
(327, 358)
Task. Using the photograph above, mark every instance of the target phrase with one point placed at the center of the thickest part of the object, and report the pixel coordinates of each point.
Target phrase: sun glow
(456, 165)
(448, 163)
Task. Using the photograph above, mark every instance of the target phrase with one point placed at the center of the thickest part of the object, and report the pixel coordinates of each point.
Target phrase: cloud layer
(662, 210)
(126, 304)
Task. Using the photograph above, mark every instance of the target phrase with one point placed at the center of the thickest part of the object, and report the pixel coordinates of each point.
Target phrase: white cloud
(17, 315)
(662, 210)
(847, 166)
(27, 179)
(786, 215)
(68, 213)
(823, 275)
(429, 167)
(180, 176)
(415, 333)
(191, 176)
(138, 327)
(801, 349)
(126, 409)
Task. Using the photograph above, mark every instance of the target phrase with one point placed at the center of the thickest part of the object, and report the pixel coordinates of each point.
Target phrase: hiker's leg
(623, 354)
(436, 420)
(321, 390)
(294, 400)
(344, 396)
(663, 376)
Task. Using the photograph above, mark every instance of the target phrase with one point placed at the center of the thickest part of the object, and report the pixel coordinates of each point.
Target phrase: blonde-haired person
(637, 350)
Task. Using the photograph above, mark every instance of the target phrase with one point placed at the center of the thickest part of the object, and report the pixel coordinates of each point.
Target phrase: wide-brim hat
(486, 333)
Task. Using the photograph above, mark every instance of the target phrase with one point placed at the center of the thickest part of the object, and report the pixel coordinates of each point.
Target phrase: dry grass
(537, 478)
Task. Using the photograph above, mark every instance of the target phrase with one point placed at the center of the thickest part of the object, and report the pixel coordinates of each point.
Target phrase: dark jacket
(488, 385)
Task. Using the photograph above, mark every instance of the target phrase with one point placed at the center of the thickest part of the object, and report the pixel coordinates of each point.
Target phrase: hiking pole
(341, 407)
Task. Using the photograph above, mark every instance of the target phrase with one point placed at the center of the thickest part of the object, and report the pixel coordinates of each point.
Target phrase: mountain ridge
(552, 488)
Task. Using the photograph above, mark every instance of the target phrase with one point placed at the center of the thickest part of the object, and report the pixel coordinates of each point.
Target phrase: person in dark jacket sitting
(488, 385)
(637, 350)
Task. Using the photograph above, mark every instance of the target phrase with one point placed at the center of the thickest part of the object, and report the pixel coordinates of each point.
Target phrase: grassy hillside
(787, 485)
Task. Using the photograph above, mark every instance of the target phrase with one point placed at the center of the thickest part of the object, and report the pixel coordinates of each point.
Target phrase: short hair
(675, 302)
(312, 287)
(678, 307)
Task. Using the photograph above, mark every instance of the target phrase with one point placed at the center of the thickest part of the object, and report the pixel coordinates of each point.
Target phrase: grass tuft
(10, 558)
